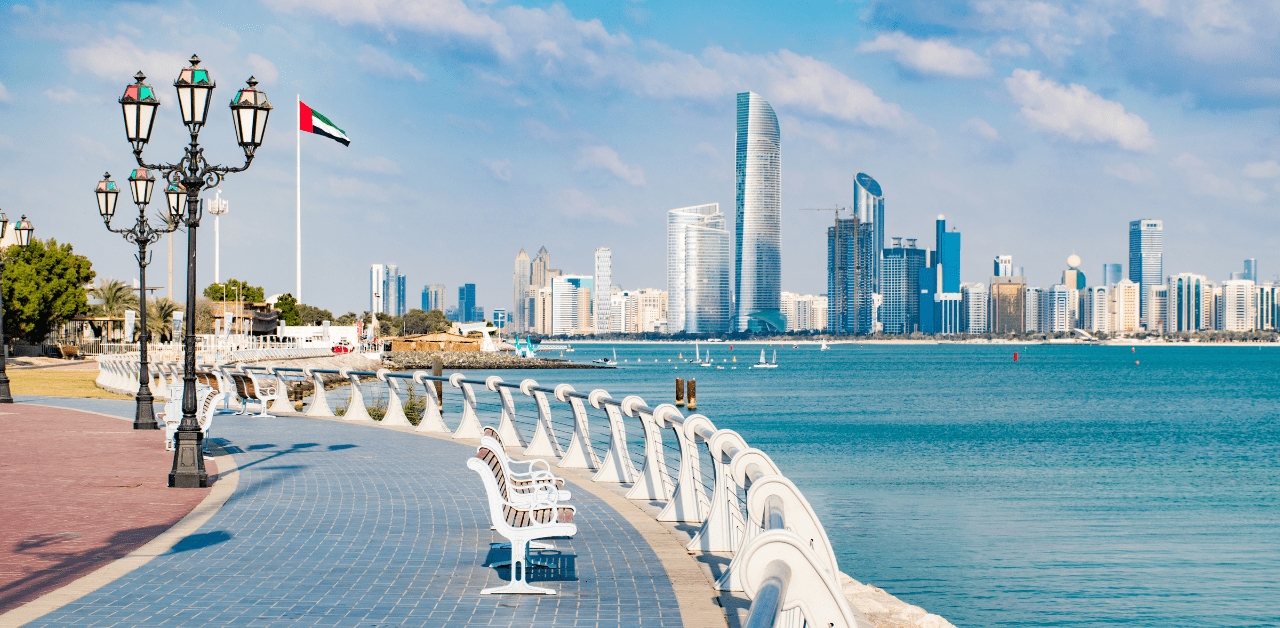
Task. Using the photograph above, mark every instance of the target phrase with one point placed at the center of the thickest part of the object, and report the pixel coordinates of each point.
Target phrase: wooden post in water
(679, 392)
(437, 369)
(691, 397)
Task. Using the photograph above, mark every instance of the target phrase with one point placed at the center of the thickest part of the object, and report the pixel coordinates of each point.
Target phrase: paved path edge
(227, 479)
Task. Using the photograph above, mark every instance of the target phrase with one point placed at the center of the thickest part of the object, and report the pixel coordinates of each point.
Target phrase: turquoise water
(1071, 488)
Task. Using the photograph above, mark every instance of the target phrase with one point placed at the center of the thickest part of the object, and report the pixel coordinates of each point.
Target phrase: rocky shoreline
(454, 360)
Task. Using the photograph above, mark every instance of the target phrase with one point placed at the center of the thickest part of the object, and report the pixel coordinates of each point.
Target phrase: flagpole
(297, 129)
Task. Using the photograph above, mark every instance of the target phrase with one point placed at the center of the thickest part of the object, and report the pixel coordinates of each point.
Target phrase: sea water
(1077, 486)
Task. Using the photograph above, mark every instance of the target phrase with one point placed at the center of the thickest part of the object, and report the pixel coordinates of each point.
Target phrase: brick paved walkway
(78, 490)
(335, 524)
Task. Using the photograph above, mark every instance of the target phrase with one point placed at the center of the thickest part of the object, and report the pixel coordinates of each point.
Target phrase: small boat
(707, 358)
(697, 358)
(824, 346)
(765, 365)
(607, 361)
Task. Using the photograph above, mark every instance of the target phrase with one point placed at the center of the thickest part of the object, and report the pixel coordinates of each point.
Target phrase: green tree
(288, 307)
(437, 322)
(346, 320)
(116, 297)
(313, 315)
(43, 287)
(160, 318)
(234, 290)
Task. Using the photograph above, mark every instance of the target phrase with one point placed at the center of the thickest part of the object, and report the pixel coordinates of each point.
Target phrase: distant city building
(1238, 305)
(1036, 301)
(758, 247)
(603, 281)
(1154, 318)
(1251, 270)
(652, 310)
(975, 304)
(433, 297)
(386, 289)
(699, 262)
(1073, 277)
(543, 311)
(572, 298)
(1003, 266)
(900, 286)
(1111, 274)
(843, 276)
(948, 310)
(1266, 303)
(1008, 313)
(520, 289)
(1189, 305)
(868, 209)
(623, 312)
(804, 312)
(1146, 257)
(1125, 303)
(467, 304)
(1096, 309)
(1060, 298)
(942, 276)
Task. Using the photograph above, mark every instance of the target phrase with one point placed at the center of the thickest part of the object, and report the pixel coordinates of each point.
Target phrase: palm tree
(160, 313)
(116, 297)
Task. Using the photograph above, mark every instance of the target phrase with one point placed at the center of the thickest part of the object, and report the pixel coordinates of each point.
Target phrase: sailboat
(707, 358)
(607, 361)
(765, 365)
(697, 358)
(824, 346)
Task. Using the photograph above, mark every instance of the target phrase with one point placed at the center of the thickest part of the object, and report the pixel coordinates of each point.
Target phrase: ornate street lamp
(186, 178)
(23, 232)
(141, 183)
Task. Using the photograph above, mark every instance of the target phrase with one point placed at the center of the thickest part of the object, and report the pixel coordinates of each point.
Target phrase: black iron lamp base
(188, 461)
(145, 417)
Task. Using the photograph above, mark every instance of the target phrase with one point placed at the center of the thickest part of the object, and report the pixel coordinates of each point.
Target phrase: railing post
(319, 400)
(356, 410)
(543, 443)
(723, 529)
(395, 408)
(617, 466)
(431, 420)
(653, 483)
(579, 455)
(689, 500)
(507, 432)
(470, 426)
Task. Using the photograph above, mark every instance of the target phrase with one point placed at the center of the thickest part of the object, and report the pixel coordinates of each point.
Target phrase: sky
(1039, 129)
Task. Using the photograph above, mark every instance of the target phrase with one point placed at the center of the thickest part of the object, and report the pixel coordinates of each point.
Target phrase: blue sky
(1038, 128)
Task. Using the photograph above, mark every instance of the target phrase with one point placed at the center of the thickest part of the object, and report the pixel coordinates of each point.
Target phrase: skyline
(1042, 133)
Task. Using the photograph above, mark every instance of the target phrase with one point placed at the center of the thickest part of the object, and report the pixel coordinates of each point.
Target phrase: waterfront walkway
(338, 524)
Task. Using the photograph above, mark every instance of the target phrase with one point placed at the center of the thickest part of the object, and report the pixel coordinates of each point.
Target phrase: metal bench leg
(519, 574)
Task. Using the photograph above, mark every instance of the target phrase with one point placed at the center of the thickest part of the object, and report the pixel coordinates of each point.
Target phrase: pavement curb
(227, 479)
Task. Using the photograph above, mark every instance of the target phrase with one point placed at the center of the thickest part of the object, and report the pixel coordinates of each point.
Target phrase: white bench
(527, 482)
(520, 523)
(206, 406)
(247, 388)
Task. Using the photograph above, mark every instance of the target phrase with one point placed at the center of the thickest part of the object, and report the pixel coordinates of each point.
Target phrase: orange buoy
(1015, 356)
(1136, 362)
(1133, 349)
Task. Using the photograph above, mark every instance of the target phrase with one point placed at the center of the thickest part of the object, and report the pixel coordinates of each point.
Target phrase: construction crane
(838, 269)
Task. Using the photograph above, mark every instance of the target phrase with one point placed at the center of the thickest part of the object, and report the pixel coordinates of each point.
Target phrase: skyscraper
(900, 286)
(1189, 304)
(941, 277)
(1111, 274)
(698, 265)
(603, 282)
(377, 288)
(1146, 258)
(758, 244)
(868, 209)
(518, 319)
(1003, 266)
(1251, 270)
(842, 275)
(467, 303)
(433, 297)
(571, 302)
(974, 308)
(386, 289)
(1008, 305)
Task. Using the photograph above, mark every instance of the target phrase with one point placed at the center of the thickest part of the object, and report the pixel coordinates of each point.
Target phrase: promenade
(338, 524)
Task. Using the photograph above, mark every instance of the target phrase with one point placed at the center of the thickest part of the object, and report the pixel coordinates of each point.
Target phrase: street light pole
(192, 174)
(141, 184)
(23, 230)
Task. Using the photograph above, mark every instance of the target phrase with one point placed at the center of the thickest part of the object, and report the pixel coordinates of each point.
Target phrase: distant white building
(1238, 307)
(603, 284)
(948, 311)
(804, 312)
(1125, 306)
(1059, 300)
(1188, 303)
(975, 300)
(1096, 309)
(1035, 302)
(1157, 297)
(571, 300)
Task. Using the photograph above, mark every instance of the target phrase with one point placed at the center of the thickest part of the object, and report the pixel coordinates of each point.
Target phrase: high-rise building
(378, 288)
(699, 260)
(1095, 313)
(540, 269)
(1003, 266)
(1146, 257)
(433, 297)
(602, 281)
(1111, 274)
(571, 300)
(758, 260)
(1073, 277)
(386, 289)
(651, 310)
(467, 303)
(974, 299)
(1059, 319)
(1189, 305)
(519, 316)
(1125, 300)
(900, 286)
(1036, 300)
(1266, 303)
(948, 308)
(1238, 305)
(942, 276)
(401, 301)
(1251, 270)
(1154, 320)
(1008, 305)
(842, 275)
(543, 311)
(804, 312)
(868, 209)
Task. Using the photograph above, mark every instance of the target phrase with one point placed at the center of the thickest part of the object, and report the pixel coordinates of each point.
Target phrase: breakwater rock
(410, 360)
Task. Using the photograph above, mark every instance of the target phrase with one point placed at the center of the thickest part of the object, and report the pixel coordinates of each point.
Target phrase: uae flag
(313, 121)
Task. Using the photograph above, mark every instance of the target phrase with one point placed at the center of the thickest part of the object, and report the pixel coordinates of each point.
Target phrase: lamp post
(141, 183)
(189, 176)
(23, 231)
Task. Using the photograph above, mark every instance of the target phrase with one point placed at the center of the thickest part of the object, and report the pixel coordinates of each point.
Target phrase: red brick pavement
(78, 490)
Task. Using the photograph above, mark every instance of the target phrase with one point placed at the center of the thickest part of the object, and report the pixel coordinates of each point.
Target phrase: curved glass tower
(868, 207)
(698, 261)
(758, 264)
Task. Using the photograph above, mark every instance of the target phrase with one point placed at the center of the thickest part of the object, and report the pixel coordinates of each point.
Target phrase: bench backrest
(208, 379)
(244, 386)
(512, 515)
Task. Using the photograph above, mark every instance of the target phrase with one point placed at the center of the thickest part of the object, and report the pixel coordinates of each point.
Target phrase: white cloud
(1077, 114)
(382, 64)
(980, 128)
(1131, 173)
(1263, 170)
(263, 69)
(501, 169)
(64, 95)
(119, 58)
(436, 17)
(605, 158)
(4, 94)
(1007, 47)
(1202, 181)
(936, 57)
(575, 204)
